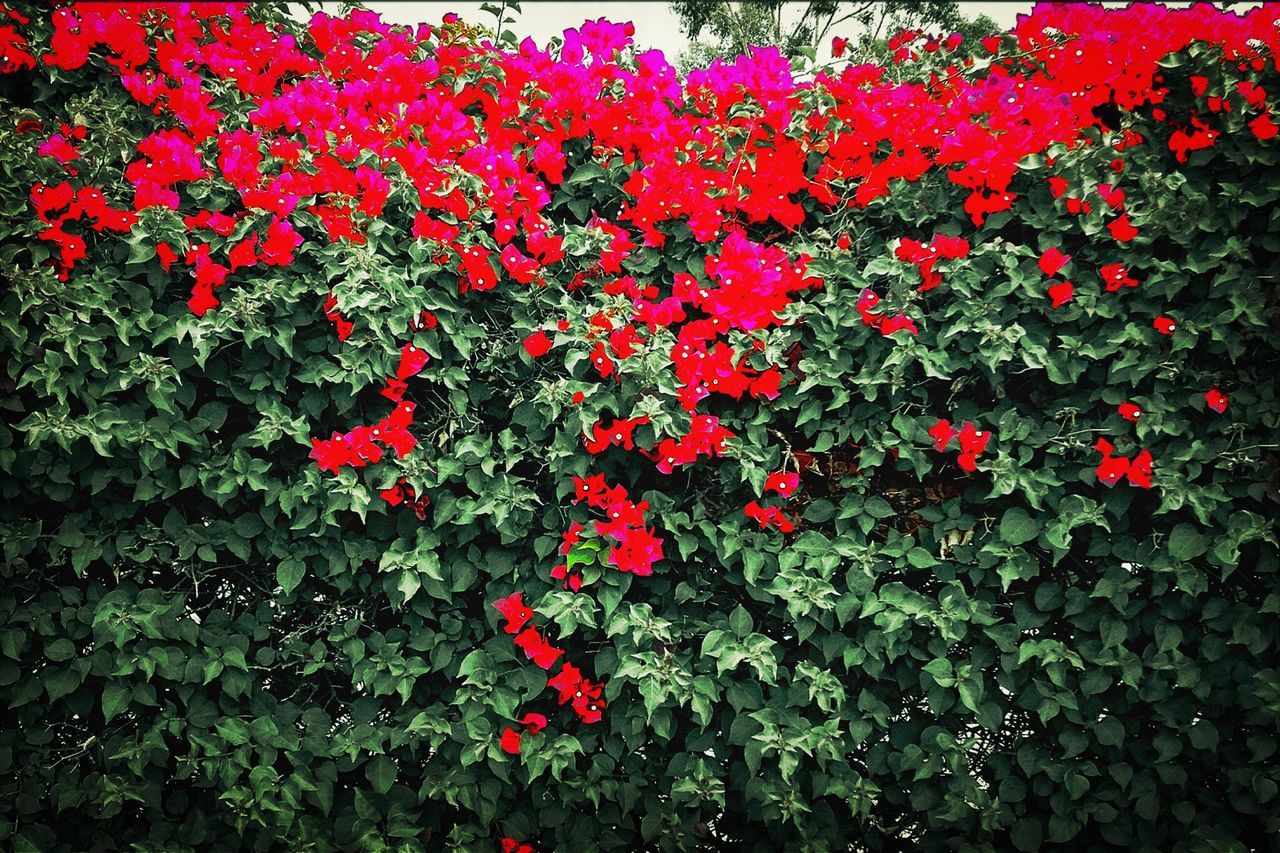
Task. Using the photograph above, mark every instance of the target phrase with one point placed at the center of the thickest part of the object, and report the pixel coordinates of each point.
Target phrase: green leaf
(61, 649)
(289, 573)
(1016, 527)
(1186, 542)
(1027, 835)
(381, 772)
(1109, 731)
(115, 698)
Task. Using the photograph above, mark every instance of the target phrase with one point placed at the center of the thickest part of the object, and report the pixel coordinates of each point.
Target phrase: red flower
(1116, 276)
(1216, 400)
(1111, 469)
(942, 433)
(600, 359)
(578, 397)
(537, 344)
(838, 46)
(1130, 412)
(511, 741)
(533, 723)
(843, 241)
(510, 845)
(515, 611)
(536, 648)
(767, 516)
(1122, 229)
(589, 706)
(1165, 325)
(202, 299)
(412, 360)
(584, 695)
(521, 267)
(783, 484)
(1263, 127)
(282, 240)
(637, 552)
(242, 254)
(1061, 293)
(1139, 472)
(1052, 261)
(620, 433)
(973, 441)
(566, 682)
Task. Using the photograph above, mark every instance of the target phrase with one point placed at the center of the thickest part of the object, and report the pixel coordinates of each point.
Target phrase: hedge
(416, 439)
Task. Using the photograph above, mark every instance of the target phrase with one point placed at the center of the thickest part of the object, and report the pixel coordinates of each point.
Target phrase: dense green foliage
(208, 643)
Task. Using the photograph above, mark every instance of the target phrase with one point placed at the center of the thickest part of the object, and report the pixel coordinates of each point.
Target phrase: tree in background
(798, 28)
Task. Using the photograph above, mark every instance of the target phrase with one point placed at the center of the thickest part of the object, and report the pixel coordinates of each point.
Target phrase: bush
(416, 443)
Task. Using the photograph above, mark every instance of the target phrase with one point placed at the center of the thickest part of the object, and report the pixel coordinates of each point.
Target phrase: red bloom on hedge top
(1165, 325)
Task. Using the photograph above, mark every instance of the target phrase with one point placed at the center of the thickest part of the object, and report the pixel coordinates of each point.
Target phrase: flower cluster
(572, 688)
(1051, 263)
(343, 326)
(783, 484)
(402, 493)
(637, 547)
(973, 442)
(364, 444)
(925, 256)
(1114, 468)
(886, 324)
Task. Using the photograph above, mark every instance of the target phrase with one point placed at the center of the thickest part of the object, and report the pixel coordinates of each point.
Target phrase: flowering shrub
(417, 442)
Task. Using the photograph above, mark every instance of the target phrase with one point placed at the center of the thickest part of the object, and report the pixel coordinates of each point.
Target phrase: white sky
(656, 25)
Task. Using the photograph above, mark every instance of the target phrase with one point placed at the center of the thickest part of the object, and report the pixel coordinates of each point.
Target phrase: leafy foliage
(990, 565)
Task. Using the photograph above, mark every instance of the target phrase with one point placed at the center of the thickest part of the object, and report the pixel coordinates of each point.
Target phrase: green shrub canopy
(413, 442)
